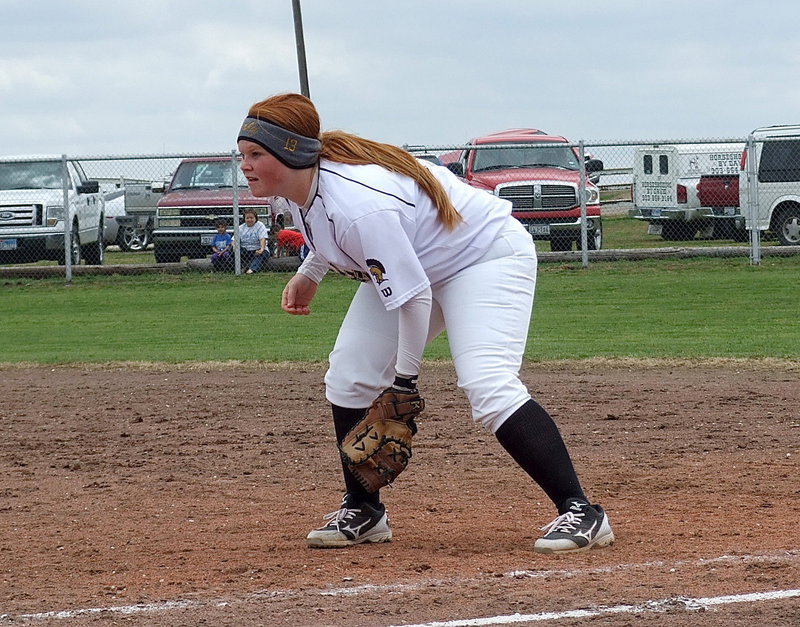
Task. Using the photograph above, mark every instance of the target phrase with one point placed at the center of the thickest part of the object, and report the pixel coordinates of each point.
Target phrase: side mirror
(594, 165)
(158, 187)
(456, 168)
(89, 187)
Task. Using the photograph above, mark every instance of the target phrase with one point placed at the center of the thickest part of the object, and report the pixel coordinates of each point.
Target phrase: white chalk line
(661, 605)
(166, 606)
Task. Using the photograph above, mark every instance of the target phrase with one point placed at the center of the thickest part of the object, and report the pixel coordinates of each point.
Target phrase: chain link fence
(125, 214)
(601, 200)
(581, 201)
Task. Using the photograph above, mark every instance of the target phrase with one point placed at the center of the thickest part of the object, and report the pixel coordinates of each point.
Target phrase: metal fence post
(67, 221)
(237, 253)
(582, 194)
(752, 203)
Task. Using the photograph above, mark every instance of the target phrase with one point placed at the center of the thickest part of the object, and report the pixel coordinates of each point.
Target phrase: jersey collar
(312, 192)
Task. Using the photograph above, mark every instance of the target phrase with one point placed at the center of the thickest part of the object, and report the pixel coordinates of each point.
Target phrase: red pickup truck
(541, 178)
(200, 193)
(718, 195)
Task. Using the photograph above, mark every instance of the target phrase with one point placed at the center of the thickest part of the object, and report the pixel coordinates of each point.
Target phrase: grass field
(680, 309)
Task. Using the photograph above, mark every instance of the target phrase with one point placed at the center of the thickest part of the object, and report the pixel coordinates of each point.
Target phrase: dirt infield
(182, 497)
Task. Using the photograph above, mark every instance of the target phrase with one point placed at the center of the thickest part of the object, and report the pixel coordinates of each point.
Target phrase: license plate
(539, 229)
(206, 240)
(8, 244)
(655, 229)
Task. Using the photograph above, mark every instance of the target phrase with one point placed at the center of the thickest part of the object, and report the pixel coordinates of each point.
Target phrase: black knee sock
(344, 419)
(532, 438)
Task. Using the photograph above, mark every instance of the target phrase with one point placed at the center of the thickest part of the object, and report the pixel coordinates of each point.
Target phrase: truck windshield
(206, 175)
(534, 157)
(30, 175)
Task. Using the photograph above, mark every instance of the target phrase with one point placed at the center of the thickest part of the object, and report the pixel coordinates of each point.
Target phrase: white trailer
(664, 185)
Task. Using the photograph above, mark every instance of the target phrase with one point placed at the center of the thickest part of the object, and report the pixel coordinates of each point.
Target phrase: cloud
(35, 75)
(145, 75)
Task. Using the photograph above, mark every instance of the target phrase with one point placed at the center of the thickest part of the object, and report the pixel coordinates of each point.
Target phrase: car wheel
(94, 253)
(164, 256)
(740, 234)
(75, 248)
(594, 238)
(560, 244)
(134, 239)
(787, 226)
(727, 229)
(678, 231)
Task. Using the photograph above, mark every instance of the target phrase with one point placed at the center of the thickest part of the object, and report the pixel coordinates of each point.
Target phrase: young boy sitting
(222, 248)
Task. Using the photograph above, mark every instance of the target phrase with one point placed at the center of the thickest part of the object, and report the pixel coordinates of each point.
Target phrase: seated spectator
(222, 248)
(290, 242)
(253, 242)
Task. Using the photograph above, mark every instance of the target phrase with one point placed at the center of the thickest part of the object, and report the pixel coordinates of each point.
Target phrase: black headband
(293, 150)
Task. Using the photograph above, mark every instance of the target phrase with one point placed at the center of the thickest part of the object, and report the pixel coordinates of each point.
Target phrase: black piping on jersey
(335, 239)
(333, 224)
(307, 229)
(333, 228)
(380, 191)
(303, 215)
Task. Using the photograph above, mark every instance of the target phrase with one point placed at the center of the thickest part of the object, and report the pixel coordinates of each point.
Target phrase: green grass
(689, 309)
(624, 232)
(693, 309)
(128, 258)
(172, 318)
(611, 194)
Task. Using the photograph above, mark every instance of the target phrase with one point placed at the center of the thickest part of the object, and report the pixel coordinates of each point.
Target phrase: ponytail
(353, 150)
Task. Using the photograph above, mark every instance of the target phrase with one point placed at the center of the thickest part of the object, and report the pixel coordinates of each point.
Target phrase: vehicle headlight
(55, 214)
(592, 196)
(169, 222)
(169, 212)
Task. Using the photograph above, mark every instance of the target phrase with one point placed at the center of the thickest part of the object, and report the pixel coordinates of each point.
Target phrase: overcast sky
(97, 77)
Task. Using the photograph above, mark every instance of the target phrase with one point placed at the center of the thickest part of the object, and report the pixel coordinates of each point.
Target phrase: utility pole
(301, 48)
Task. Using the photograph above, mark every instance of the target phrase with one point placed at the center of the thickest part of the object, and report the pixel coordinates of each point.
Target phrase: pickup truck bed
(718, 190)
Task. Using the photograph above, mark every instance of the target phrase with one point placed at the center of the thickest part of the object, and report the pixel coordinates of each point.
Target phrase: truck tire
(75, 248)
(166, 256)
(560, 244)
(740, 234)
(786, 226)
(94, 253)
(133, 239)
(727, 229)
(594, 238)
(677, 231)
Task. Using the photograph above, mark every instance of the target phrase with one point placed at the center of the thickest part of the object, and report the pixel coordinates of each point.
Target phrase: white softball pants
(486, 310)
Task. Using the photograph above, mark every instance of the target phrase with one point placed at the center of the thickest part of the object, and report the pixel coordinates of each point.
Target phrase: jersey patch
(377, 270)
(357, 275)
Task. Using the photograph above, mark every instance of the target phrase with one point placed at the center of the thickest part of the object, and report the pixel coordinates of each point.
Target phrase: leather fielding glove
(377, 449)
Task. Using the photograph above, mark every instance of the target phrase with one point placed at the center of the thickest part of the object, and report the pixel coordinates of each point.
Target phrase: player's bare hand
(297, 295)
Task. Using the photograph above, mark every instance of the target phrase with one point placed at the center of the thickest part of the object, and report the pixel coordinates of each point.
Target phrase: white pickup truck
(32, 212)
(666, 195)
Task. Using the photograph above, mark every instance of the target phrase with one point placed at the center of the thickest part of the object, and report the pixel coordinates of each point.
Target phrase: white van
(776, 170)
(664, 186)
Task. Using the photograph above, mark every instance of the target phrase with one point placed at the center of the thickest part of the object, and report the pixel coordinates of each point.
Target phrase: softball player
(433, 253)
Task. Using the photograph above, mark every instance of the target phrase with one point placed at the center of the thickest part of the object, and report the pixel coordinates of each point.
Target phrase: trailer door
(655, 178)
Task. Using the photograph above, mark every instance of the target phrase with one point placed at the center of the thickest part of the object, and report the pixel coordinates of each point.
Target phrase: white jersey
(376, 225)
